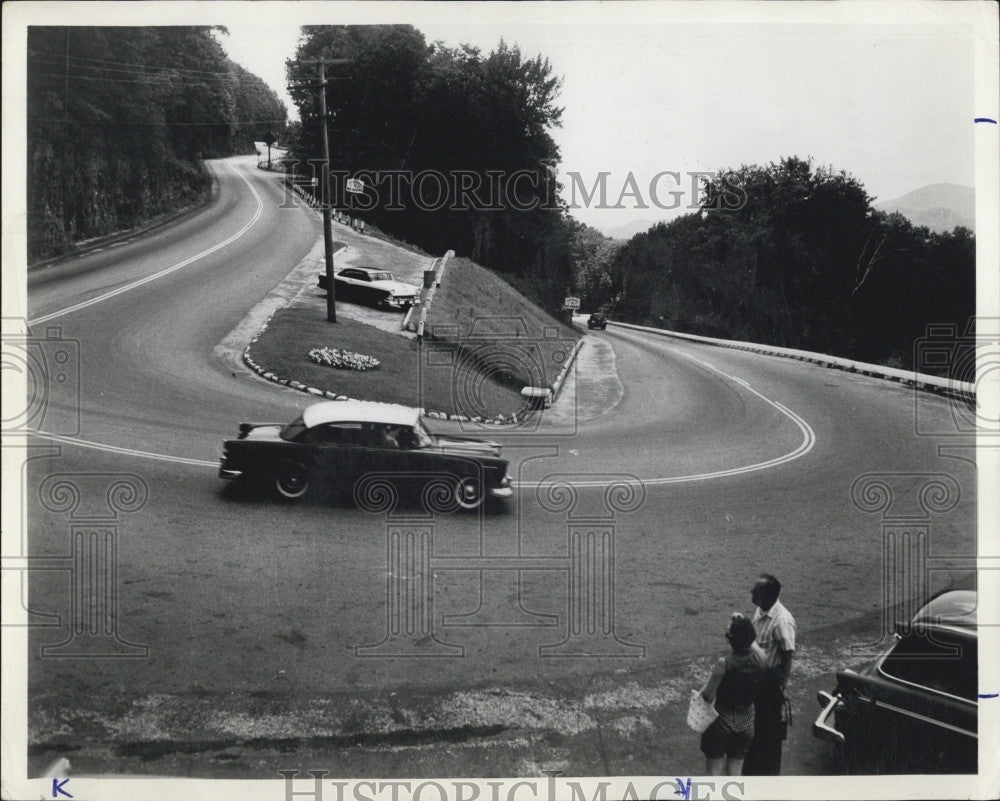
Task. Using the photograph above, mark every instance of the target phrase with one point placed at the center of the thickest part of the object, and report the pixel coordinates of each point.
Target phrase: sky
(884, 91)
(889, 100)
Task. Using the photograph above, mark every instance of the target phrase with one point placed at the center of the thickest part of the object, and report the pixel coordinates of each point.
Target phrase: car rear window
(292, 431)
(935, 660)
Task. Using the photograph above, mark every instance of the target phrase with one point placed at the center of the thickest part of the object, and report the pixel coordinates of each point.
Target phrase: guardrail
(963, 390)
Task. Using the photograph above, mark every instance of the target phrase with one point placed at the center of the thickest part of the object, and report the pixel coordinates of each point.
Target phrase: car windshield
(421, 436)
(381, 276)
(292, 431)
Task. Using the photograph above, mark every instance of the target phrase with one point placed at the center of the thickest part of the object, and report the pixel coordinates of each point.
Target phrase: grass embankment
(485, 341)
(488, 321)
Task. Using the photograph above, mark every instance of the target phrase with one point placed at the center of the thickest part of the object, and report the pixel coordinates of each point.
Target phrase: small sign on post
(355, 186)
(571, 303)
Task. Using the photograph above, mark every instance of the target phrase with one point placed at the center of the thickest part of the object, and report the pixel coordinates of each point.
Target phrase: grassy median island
(485, 342)
(409, 372)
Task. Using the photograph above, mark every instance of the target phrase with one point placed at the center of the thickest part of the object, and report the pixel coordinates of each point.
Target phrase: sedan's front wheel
(469, 493)
(292, 480)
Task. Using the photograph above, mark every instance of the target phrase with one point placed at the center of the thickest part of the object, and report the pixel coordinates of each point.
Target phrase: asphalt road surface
(565, 632)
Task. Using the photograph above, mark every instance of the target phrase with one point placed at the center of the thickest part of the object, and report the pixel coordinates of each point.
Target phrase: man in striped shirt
(775, 629)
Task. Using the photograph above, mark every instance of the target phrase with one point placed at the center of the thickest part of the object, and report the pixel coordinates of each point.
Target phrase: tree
(805, 262)
(402, 104)
(118, 118)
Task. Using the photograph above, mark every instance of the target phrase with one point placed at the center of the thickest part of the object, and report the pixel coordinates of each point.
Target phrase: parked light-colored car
(372, 287)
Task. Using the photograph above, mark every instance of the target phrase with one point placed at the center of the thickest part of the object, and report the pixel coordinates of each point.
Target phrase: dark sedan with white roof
(346, 443)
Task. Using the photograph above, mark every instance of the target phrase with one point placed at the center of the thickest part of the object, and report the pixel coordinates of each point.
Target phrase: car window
(391, 437)
(334, 434)
(293, 430)
(350, 274)
(381, 276)
(936, 660)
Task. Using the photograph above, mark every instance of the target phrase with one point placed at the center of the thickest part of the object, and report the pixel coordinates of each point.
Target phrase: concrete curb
(962, 390)
(425, 306)
(269, 375)
(550, 393)
(557, 385)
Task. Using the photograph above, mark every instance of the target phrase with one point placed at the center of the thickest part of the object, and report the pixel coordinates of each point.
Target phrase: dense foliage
(806, 262)
(118, 119)
(401, 104)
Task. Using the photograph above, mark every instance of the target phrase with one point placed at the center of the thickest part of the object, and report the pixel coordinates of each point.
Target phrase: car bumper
(228, 472)
(822, 728)
(398, 303)
(504, 490)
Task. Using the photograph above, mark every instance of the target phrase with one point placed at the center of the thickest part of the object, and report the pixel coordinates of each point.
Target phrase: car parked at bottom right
(914, 709)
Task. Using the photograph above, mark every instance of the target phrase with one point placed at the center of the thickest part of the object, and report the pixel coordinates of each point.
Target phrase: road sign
(355, 185)
(571, 303)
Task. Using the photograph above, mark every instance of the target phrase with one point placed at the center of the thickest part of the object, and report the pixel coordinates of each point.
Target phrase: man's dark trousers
(764, 756)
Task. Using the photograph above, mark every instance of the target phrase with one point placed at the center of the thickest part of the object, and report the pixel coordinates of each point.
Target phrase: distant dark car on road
(340, 442)
(597, 320)
(372, 288)
(912, 710)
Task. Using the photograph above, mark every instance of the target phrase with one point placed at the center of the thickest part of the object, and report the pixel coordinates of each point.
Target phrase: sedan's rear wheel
(292, 480)
(469, 493)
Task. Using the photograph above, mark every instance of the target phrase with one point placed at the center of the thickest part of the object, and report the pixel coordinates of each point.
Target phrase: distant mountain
(630, 229)
(940, 207)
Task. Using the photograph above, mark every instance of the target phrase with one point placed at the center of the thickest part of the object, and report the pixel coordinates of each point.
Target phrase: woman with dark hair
(733, 686)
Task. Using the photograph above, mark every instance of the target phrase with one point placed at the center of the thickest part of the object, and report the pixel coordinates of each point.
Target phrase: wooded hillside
(118, 119)
(805, 262)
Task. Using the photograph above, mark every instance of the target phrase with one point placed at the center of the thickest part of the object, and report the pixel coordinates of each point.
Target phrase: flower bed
(343, 359)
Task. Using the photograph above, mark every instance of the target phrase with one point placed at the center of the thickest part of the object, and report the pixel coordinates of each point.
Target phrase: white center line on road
(121, 290)
(100, 446)
(807, 444)
(808, 435)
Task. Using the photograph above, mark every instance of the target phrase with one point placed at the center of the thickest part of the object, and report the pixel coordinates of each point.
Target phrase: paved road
(252, 611)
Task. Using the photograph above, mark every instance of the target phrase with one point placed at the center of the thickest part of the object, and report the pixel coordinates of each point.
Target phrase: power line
(159, 79)
(131, 65)
(169, 73)
(155, 124)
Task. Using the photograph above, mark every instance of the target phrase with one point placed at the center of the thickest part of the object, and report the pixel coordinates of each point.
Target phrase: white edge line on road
(123, 289)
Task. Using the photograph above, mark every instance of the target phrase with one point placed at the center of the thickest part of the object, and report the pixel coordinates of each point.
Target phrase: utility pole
(331, 292)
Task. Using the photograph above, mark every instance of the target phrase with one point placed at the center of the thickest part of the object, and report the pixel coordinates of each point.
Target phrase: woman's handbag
(701, 714)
